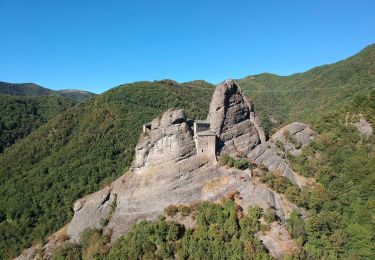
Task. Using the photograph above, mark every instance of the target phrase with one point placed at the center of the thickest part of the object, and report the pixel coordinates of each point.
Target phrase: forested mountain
(87, 146)
(303, 96)
(21, 115)
(31, 89)
(25, 107)
(78, 152)
(24, 89)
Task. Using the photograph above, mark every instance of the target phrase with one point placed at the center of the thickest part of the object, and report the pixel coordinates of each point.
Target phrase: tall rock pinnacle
(233, 120)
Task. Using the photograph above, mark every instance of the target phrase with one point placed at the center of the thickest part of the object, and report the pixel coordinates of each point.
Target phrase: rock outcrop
(293, 137)
(364, 127)
(233, 120)
(288, 140)
(170, 139)
(278, 241)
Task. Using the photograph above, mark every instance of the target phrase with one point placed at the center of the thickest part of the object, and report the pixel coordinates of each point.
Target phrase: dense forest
(24, 89)
(21, 115)
(34, 90)
(87, 146)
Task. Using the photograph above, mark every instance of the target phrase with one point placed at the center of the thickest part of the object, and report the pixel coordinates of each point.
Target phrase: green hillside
(78, 152)
(31, 89)
(24, 89)
(21, 115)
(303, 96)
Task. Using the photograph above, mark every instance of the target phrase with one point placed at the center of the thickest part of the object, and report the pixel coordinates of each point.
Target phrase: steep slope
(299, 97)
(77, 152)
(31, 89)
(19, 116)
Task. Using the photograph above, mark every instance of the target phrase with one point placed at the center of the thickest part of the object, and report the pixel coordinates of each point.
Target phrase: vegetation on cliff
(222, 231)
(341, 208)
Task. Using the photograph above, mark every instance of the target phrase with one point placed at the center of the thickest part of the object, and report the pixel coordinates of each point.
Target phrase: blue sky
(95, 45)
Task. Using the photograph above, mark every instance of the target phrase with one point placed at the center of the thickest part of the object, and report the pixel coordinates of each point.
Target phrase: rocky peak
(233, 120)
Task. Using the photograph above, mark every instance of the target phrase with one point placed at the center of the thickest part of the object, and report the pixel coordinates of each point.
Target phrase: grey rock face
(229, 116)
(364, 127)
(91, 212)
(278, 241)
(170, 138)
(294, 137)
(288, 140)
(144, 194)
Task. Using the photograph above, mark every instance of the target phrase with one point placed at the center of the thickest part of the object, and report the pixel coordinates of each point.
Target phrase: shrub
(171, 210)
(240, 164)
(269, 216)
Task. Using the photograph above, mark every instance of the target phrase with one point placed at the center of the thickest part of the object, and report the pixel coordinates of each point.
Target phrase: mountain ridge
(32, 89)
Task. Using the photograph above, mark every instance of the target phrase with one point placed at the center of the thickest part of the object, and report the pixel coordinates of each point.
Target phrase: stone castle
(204, 138)
(207, 137)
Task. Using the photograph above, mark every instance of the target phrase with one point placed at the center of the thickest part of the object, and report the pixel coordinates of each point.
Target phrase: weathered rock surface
(278, 241)
(292, 138)
(49, 247)
(229, 116)
(170, 139)
(91, 211)
(364, 127)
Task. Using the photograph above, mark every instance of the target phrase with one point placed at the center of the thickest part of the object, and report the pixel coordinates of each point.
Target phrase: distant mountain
(78, 95)
(27, 106)
(25, 89)
(31, 89)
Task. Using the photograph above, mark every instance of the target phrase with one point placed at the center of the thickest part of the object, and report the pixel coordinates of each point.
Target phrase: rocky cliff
(233, 120)
(167, 169)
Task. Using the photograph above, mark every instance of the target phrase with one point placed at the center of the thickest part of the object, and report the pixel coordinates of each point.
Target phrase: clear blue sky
(98, 44)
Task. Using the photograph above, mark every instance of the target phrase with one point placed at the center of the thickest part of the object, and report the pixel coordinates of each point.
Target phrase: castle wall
(206, 145)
